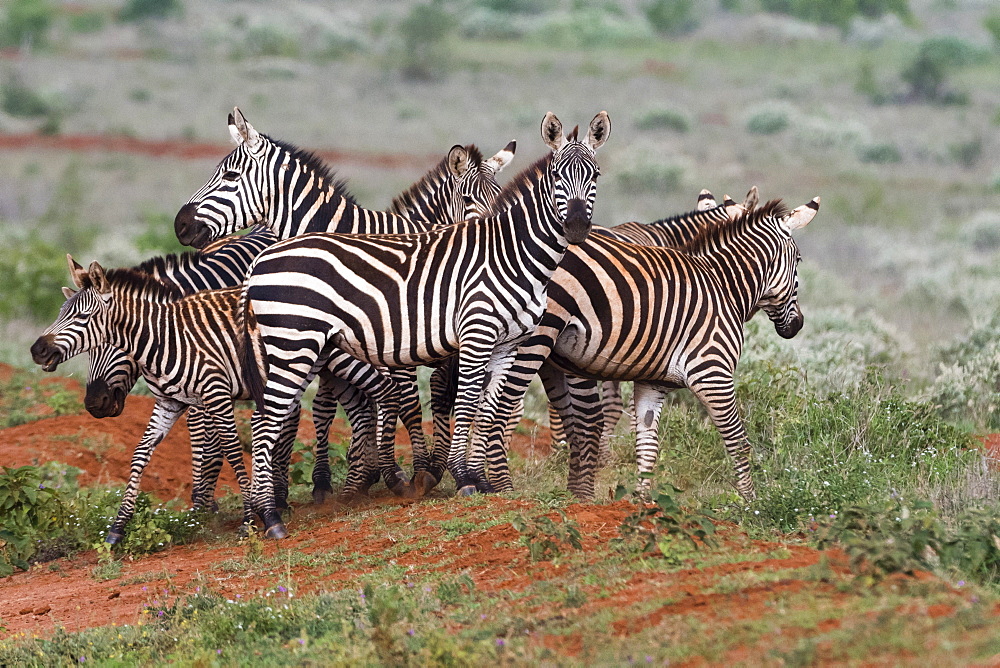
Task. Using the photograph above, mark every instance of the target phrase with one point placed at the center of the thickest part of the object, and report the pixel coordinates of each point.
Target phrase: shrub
(965, 387)
(880, 154)
(663, 526)
(85, 22)
(158, 234)
(663, 119)
(966, 153)
(768, 122)
(671, 17)
(546, 538)
(34, 272)
(992, 25)
(836, 12)
(26, 22)
(20, 100)
(514, 6)
(936, 59)
(651, 177)
(29, 513)
(137, 10)
(425, 32)
(589, 27)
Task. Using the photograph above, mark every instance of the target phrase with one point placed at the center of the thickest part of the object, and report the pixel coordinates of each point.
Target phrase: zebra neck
(538, 228)
(740, 266)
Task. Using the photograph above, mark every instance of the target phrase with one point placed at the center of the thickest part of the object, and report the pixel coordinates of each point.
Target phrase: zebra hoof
(467, 490)
(402, 489)
(402, 477)
(114, 537)
(423, 482)
(484, 487)
(276, 532)
(320, 495)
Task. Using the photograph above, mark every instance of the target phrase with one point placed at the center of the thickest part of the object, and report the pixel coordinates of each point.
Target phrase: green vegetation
(671, 17)
(663, 119)
(40, 522)
(26, 23)
(666, 527)
(545, 538)
(425, 32)
(837, 12)
(936, 60)
(137, 10)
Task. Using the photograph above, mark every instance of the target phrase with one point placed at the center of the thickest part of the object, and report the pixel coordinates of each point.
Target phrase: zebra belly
(584, 357)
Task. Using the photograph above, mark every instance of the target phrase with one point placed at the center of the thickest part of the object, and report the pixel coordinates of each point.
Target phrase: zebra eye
(230, 176)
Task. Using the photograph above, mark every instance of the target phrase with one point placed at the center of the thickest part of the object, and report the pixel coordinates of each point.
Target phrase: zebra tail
(252, 356)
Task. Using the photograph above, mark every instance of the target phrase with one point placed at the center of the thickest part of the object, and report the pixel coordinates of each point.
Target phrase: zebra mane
(165, 264)
(727, 229)
(438, 174)
(143, 285)
(529, 175)
(694, 215)
(316, 164)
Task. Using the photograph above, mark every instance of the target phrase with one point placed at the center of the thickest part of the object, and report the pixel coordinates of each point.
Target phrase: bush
(20, 100)
(651, 177)
(663, 526)
(137, 10)
(936, 59)
(992, 25)
(671, 17)
(768, 122)
(589, 27)
(545, 538)
(34, 272)
(965, 388)
(966, 153)
(880, 154)
(29, 513)
(26, 22)
(425, 32)
(838, 13)
(663, 119)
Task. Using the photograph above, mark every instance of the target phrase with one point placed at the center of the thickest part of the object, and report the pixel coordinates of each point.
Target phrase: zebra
(292, 192)
(474, 289)
(668, 318)
(187, 348)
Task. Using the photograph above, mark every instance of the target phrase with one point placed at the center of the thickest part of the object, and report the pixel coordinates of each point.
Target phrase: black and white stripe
(474, 289)
(666, 319)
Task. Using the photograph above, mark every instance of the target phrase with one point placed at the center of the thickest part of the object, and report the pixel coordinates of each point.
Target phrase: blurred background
(112, 113)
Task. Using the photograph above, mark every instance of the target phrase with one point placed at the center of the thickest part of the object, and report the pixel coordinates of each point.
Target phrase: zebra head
(780, 300)
(238, 193)
(574, 172)
(81, 323)
(112, 375)
(476, 187)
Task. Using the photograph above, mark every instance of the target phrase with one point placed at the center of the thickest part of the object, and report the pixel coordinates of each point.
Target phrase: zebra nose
(188, 230)
(44, 352)
(790, 328)
(101, 401)
(577, 225)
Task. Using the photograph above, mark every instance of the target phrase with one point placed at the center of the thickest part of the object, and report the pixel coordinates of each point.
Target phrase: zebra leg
(490, 443)
(648, 401)
(718, 396)
(494, 381)
(283, 456)
(412, 416)
(473, 364)
(362, 452)
(219, 404)
(206, 459)
(165, 415)
(324, 411)
(577, 402)
(557, 431)
(612, 408)
(444, 387)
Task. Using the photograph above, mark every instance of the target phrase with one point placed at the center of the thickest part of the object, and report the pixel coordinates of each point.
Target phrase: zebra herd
(489, 285)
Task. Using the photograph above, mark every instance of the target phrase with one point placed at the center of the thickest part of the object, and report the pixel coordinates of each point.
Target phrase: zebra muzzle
(45, 353)
(188, 229)
(578, 223)
(102, 401)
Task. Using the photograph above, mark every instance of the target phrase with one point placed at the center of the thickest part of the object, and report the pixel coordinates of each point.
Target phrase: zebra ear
(552, 132)
(503, 157)
(98, 279)
(732, 208)
(68, 292)
(752, 198)
(458, 161)
(706, 200)
(801, 215)
(242, 131)
(600, 129)
(76, 272)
